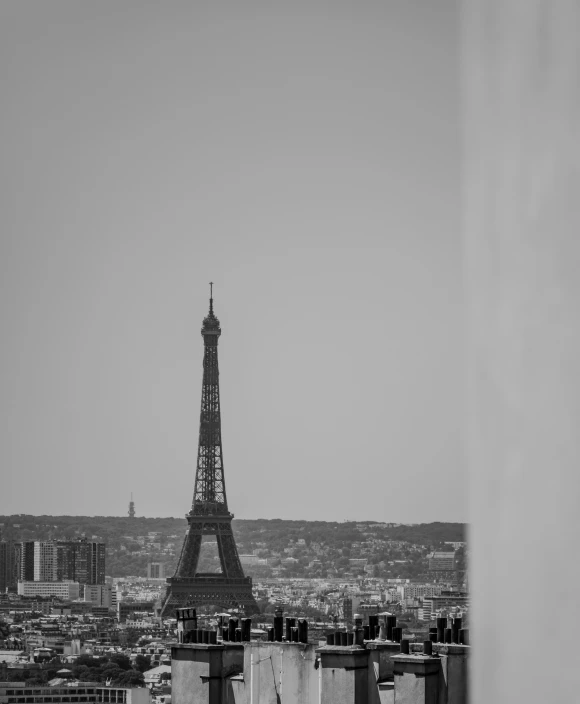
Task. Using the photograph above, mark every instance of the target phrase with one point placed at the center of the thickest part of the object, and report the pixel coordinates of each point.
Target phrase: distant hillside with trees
(291, 548)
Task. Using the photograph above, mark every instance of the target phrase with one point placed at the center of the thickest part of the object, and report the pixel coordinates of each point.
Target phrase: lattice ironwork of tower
(209, 513)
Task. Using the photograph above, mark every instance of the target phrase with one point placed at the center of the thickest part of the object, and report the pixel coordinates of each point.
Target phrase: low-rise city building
(87, 692)
(445, 601)
(444, 561)
(101, 595)
(62, 590)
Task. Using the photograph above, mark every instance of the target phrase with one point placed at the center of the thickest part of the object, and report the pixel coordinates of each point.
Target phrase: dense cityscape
(108, 609)
(67, 597)
(132, 610)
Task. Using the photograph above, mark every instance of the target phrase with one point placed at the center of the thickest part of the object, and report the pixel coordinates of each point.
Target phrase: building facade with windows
(25, 560)
(62, 590)
(101, 595)
(418, 591)
(446, 600)
(155, 570)
(19, 693)
(126, 609)
(45, 561)
(8, 574)
(443, 561)
(81, 560)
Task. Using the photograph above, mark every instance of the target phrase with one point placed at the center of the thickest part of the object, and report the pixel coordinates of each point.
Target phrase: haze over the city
(307, 163)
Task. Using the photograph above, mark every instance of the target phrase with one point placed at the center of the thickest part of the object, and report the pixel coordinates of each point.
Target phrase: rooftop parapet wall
(380, 667)
(453, 677)
(280, 672)
(344, 674)
(416, 679)
(353, 671)
(199, 671)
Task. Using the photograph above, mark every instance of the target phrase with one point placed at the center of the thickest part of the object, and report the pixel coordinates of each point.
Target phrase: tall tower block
(209, 513)
(131, 507)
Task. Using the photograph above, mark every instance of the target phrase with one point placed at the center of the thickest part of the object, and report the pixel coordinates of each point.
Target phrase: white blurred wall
(521, 72)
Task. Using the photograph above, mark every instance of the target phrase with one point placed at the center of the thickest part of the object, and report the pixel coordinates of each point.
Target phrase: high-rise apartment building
(97, 563)
(73, 560)
(17, 560)
(25, 557)
(82, 561)
(36, 561)
(8, 574)
(45, 560)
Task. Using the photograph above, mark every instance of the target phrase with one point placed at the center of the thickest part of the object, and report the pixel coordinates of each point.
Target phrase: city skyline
(319, 190)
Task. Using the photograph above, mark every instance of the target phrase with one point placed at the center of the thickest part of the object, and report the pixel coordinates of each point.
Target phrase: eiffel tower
(209, 513)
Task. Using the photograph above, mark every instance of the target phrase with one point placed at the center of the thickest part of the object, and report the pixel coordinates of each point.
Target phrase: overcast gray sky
(303, 156)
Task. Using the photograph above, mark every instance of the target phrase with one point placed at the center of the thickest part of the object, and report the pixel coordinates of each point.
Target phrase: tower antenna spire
(211, 296)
